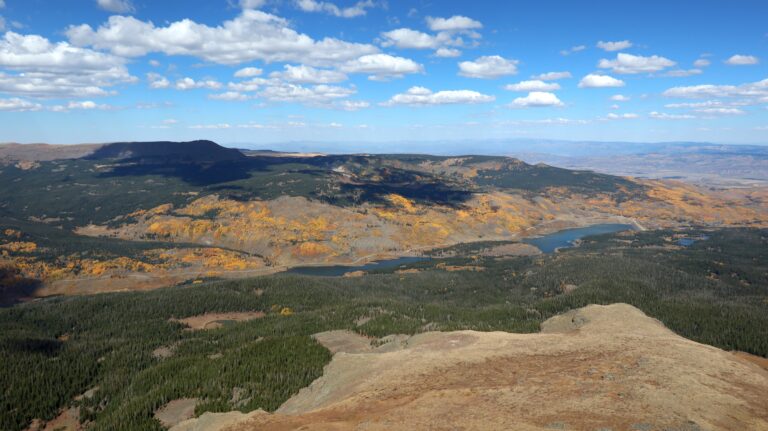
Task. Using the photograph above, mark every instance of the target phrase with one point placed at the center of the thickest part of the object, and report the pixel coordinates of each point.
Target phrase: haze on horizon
(371, 71)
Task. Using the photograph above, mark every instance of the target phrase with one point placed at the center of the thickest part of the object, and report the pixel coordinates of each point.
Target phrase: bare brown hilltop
(599, 367)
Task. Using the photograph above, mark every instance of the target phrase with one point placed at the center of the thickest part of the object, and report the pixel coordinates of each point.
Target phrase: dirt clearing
(217, 320)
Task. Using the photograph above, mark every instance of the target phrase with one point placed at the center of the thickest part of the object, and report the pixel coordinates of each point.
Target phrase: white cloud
(15, 104)
(211, 126)
(619, 98)
(535, 85)
(742, 60)
(454, 23)
(308, 75)
(421, 96)
(600, 81)
(230, 96)
(702, 62)
(537, 99)
(252, 4)
(358, 9)
(756, 92)
(488, 67)
(628, 116)
(87, 105)
(447, 52)
(157, 81)
(382, 66)
(410, 39)
(614, 46)
(352, 105)
(116, 6)
(666, 116)
(248, 72)
(317, 95)
(253, 35)
(170, 121)
(573, 49)
(681, 73)
(721, 111)
(189, 84)
(552, 76)
(154, 63)
(84, 105)
(44, 69)
(628, 64)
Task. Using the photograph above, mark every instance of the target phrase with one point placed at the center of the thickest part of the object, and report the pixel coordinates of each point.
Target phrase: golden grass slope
(599, 367)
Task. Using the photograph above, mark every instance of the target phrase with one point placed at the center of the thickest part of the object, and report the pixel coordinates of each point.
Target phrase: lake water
(565, 238)
(546, 243)
(687, 242)
(338, 270)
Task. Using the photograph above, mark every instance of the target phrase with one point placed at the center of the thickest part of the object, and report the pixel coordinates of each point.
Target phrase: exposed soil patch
(217, 320)
(67, 420)
(176, 411)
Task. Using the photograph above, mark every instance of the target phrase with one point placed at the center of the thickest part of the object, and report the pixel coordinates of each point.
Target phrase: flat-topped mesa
(200, 151)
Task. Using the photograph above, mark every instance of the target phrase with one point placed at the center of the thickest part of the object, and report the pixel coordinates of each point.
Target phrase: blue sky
(271, 72)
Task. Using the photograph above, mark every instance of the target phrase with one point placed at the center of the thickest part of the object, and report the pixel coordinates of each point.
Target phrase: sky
(274, 72)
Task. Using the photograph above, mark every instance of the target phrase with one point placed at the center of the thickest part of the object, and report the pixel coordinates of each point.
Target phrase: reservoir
(565, 238)
(546, 243)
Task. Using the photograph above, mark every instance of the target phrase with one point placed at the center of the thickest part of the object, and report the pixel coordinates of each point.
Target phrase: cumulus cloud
(358, 9)
(666, 116)
(190, 84)
(707, 104)
(721, 111)
(253, 35)
(629, 64)
(252, 4)
(488, 67)
(681, 73)
(157, 81)
(352, 105)
(420, 96)
(211, 126)
(628, 116)
(614, 46)
(382, 66)
(537, 99)
(552, 76)
(248, 72)
(535, 85)
(318, 95)
(230, 96)
(755, 92)
(702, 62)
(411, 39)
(619, 98)
(40, 68)
(83, 105)
(600, 81)
(308, 75)
(447, 52)
(573, 49)
(454, 23)
(116, 6)
(15, 104)
(742, 60)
